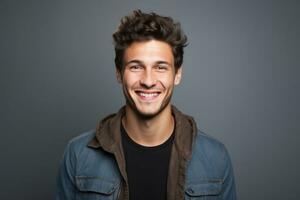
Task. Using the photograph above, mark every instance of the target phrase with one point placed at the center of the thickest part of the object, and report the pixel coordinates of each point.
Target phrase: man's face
(148, 77)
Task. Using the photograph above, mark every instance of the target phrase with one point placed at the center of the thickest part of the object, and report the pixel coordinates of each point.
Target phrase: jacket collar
(108, 133)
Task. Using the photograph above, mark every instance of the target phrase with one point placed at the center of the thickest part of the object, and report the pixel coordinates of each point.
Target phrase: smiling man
(149, 150)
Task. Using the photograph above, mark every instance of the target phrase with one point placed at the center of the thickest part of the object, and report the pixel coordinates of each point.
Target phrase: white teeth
(148, 94)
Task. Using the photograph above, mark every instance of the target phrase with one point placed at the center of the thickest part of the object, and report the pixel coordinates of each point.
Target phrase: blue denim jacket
(92, 168)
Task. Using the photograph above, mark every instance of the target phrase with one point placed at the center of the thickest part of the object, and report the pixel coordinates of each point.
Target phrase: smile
(147, 95)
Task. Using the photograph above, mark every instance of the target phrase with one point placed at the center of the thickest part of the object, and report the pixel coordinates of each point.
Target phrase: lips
(147, 95)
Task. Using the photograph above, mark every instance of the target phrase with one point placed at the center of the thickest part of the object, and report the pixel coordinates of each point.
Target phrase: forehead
(149, 51)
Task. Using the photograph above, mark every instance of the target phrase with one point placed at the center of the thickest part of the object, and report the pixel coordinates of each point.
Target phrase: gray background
(241, 84)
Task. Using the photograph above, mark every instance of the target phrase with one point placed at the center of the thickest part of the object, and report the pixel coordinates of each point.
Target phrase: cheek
(167, 81)
(130, 80)
(129, 88)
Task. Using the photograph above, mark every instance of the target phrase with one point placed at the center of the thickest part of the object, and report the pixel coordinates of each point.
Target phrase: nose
(148, 79)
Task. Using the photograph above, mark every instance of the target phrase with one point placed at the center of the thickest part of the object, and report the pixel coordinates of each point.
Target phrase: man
(149, 149)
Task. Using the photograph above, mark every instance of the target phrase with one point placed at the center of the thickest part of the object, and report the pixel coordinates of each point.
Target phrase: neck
(149, 131)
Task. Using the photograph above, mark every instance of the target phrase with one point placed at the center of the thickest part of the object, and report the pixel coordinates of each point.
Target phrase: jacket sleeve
(228, 192)
(65, 182)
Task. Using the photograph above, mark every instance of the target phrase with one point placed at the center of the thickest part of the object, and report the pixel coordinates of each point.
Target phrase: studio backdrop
(240, 83)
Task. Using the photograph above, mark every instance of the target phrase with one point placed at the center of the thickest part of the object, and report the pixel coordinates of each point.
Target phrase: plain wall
(240, 82)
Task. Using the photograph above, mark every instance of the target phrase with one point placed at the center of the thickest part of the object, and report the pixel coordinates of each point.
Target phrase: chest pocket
(94, 188)
(208, 190)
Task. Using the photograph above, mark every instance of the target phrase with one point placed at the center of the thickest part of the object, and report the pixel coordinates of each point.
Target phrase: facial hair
(130, 102)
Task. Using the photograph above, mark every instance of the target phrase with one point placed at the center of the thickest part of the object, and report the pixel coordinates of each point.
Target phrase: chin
(148, 113)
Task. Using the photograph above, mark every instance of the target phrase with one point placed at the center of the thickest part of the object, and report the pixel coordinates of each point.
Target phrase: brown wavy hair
(139, 26)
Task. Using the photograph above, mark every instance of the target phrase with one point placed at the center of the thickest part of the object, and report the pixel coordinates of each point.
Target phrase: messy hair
(139, 26)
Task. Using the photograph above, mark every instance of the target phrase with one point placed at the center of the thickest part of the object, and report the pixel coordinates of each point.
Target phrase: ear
(118, 76)
(178, 76)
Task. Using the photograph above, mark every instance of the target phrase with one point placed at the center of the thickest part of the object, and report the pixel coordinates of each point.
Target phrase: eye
(162, 68)
(135, 67)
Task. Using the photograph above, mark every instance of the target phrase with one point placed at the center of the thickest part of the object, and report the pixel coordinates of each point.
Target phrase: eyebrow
(140, 62)
(134, 61)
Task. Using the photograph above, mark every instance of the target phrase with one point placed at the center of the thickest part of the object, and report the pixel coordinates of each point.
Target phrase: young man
(149, 150)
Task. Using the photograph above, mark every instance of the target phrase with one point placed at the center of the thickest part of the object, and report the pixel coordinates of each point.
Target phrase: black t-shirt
(147, 168)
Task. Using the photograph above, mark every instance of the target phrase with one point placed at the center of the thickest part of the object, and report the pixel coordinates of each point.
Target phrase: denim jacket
(93, 165)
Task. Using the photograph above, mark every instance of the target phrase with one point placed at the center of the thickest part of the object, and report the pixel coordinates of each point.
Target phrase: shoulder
(208, 151)
(80, 142)
(80, 153)
(83, 138)
(209, 143)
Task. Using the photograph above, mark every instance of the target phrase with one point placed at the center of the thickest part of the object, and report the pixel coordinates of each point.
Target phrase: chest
(98, 178)
(147, 170)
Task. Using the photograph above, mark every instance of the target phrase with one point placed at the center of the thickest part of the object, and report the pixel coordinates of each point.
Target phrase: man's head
(141, 26)
(149, 55)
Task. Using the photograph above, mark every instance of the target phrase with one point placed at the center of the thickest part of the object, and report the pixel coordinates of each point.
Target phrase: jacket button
(112, 189)
(190, 190)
